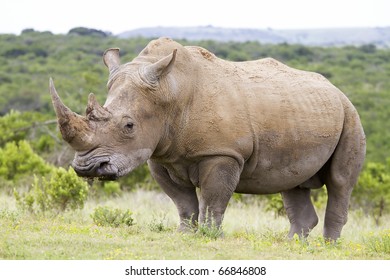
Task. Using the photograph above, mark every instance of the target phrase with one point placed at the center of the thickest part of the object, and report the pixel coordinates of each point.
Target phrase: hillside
(75, 63)
(379, 36)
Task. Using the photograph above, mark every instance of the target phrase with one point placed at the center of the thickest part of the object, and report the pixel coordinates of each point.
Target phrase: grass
(249, 233)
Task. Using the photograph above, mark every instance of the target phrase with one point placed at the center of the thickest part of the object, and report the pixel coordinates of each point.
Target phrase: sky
(117, 16)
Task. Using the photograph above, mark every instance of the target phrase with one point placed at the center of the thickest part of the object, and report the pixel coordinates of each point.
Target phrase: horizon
(202, 26)
(119, 16)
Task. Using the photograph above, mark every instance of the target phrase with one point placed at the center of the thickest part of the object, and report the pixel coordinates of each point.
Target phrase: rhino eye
(129, 126)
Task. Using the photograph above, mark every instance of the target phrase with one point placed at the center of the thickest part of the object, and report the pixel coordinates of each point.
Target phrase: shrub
(110, 217)
(209, 230)
(111, 188)
(105, 189)
(158, 224)
(275, 204)
(62, 191)
(372, 192)
(17, 126)
(18, 161)
(140, 177)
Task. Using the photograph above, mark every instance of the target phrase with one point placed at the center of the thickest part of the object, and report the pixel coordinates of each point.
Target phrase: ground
(249, 233)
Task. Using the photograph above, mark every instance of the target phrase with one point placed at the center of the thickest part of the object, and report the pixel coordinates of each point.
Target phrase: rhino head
(111, 140)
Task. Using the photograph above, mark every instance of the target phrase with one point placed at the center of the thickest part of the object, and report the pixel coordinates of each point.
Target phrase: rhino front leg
(300, 211)
(218, 178)
(184, 197)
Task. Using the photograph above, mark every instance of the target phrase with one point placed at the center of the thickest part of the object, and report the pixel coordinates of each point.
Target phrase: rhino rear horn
(94, 111)
(111, 58)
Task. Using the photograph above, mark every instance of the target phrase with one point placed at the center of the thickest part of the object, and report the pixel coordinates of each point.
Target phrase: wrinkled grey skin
(255, 127)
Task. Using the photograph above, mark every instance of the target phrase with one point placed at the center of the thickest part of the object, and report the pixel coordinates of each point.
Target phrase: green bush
(209, 230)
(17, 126)
(105, 189)
(112, 188)
(109, 217)
(18, 161)
(158, 223)
(372, 192)
(63, 190)
(140, 177)
(11, 127)
(275, 204)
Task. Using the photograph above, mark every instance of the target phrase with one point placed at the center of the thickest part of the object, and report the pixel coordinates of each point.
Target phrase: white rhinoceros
(256, 127)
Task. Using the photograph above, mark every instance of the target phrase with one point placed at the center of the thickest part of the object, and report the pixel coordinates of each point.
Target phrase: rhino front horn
(74, 128)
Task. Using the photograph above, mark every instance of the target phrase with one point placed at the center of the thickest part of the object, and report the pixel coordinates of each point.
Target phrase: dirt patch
(206, 54)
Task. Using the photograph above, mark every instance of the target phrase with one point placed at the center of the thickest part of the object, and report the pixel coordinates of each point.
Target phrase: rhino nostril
(103, 164)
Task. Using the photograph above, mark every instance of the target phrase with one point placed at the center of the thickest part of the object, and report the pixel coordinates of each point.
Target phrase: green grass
(249, 233)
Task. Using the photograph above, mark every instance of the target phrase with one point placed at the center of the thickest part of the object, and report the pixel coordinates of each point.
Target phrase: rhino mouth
(108, 167)
(101, 169)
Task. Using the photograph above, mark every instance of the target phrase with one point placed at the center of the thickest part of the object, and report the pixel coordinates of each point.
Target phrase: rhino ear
(152, 73)
(111, 59)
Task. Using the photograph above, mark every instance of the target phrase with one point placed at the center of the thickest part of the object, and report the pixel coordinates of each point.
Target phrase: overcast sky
(117, 16)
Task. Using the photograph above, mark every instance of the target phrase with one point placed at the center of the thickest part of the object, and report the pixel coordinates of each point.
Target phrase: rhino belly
(279, 167)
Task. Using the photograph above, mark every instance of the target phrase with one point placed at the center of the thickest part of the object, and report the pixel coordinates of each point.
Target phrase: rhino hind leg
(339, 186)
(300, 211)
(340, 181)
(342, 173)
